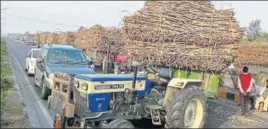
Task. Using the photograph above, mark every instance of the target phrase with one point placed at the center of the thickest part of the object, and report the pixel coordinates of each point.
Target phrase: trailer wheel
(188, 109)
(45, 92)
(120, 124)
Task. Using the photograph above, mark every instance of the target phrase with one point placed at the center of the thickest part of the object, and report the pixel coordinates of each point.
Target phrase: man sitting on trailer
(122, 60)
(254, 93)
(245, 84)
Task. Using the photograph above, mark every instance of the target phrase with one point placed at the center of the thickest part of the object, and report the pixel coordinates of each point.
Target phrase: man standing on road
(245, 84)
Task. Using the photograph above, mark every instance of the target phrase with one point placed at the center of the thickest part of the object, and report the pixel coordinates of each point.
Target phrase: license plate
(111, 86)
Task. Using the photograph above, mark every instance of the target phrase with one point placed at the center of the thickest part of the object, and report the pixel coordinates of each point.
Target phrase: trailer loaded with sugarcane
(184, 46)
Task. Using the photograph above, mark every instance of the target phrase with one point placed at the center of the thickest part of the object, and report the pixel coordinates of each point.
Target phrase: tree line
(254, 32)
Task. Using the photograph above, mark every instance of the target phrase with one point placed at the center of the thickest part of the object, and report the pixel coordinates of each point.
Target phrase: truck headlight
(84, 86)
(76, 84)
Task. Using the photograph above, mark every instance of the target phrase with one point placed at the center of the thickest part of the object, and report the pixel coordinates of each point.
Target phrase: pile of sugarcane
(251, 54)
(66, 37)
(97, 38)
(53, 38)
(41, 37)
(191, 34)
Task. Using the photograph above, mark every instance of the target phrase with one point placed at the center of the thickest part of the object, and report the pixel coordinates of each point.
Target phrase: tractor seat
(160, 82)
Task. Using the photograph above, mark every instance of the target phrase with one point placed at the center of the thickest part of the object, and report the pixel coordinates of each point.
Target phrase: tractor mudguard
(182, 83)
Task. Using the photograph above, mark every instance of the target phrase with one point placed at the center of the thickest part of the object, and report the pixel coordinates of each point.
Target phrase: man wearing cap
(245, 84)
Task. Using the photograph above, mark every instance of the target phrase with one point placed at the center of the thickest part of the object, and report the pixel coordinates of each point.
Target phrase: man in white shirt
(234, 75)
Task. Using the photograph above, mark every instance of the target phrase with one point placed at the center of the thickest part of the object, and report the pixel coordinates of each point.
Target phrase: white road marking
(42, 107)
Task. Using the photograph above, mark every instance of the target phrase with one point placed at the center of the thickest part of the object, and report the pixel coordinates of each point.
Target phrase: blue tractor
(114, 101)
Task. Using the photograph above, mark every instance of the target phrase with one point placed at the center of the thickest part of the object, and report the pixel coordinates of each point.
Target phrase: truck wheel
(67, 123)
(188, 109)
(44, 90)
(120, 124)
(28, 73)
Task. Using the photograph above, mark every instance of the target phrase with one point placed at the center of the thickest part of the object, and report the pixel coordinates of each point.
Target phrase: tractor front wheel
(120, 124)
(188, 109)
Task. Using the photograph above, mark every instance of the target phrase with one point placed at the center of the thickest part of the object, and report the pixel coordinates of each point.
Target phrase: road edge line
(41, 106)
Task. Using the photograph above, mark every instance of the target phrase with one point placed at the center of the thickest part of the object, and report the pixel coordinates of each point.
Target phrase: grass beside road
(13, 114)
(6, 72)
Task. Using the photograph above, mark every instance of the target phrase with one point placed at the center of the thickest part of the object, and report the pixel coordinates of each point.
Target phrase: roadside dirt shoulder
(14, 115)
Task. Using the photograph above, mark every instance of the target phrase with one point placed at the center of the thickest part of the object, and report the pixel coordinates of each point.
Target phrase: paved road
(220, 113)
(35, 106)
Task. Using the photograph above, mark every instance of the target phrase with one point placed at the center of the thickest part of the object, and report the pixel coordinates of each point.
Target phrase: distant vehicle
(59, 58)
(30, 43)
(31, 60)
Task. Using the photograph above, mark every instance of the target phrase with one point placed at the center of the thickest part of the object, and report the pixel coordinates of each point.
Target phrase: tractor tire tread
(177, 108)
(120, 124)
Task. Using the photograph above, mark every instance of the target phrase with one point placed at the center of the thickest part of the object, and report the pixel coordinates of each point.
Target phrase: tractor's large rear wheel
(188, 109)
(120, 124)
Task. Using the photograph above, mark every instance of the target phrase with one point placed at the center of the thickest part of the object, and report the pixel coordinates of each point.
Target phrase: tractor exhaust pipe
(134, 76)
(135, 65)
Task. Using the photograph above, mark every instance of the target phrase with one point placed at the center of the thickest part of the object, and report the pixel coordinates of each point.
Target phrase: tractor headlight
(76, 84)
(179, 84)
(84, 86)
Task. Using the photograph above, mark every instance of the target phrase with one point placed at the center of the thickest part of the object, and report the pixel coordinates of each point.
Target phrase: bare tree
(254, 28)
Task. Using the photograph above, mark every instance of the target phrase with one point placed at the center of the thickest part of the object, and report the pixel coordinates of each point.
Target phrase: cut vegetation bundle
(53, 37)
(190, 34)
(66, 37)
(251, 54)
(42, 37)
(97, 38)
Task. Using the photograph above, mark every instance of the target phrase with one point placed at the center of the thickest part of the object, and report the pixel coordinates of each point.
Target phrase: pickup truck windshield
(63, 56)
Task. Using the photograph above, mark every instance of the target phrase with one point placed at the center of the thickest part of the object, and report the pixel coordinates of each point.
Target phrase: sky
(33, 16)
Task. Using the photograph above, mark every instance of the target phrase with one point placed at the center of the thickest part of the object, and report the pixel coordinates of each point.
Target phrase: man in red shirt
(245, 84)
(122, 60)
